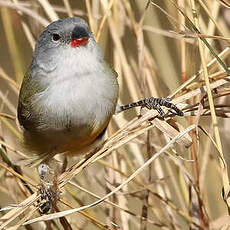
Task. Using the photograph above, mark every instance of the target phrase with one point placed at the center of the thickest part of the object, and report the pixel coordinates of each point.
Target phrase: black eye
(56, 37)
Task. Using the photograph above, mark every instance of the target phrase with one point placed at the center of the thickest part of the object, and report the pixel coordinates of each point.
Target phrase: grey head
(62, 35)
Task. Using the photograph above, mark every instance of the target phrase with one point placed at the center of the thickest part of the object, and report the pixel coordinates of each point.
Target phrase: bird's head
(63, 39)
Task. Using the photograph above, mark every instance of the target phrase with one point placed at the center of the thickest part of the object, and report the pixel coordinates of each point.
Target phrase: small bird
(69, 93)
(67, 98)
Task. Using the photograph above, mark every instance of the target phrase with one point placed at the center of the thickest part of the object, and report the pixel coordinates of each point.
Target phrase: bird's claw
(157, 103)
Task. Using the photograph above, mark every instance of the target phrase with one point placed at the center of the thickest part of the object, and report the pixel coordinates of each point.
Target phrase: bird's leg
(64, 164)
(152, 103)
(48, 188)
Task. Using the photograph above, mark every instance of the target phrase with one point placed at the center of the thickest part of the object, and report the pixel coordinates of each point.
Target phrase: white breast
(82, 96)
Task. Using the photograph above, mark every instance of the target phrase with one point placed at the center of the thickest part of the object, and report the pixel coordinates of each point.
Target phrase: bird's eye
(56, 37)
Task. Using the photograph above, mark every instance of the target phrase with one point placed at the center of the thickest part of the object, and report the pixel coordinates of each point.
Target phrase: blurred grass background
(153, 49)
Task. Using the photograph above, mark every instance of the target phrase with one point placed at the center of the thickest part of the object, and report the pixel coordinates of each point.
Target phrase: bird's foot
(47, 197)
(157, 103)
(152, 103)
(48, 189)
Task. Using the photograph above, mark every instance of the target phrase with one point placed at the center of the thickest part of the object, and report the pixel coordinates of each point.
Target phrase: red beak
(79, 41)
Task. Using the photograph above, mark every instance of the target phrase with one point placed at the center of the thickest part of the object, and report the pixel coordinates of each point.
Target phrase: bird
(68, 94)
(67, 99)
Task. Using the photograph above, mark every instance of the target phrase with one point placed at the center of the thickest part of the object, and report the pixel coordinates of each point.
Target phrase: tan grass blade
(68, 212)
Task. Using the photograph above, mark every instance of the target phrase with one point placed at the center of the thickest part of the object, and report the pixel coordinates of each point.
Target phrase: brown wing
(28, 89)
